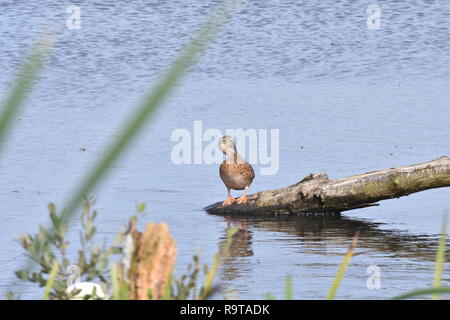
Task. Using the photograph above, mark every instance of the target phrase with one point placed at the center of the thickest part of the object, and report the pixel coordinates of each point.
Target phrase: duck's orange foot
(227, 202)
(242, 199)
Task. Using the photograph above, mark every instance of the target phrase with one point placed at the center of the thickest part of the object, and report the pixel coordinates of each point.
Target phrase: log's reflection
(320, 236)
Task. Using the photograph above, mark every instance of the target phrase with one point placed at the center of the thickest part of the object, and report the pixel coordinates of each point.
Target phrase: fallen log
(317, 194)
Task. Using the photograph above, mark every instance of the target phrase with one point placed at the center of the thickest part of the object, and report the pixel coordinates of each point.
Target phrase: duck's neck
(234, 157)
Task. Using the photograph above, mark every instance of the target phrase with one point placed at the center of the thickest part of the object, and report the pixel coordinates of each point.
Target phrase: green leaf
(140, 207)
(22, 274)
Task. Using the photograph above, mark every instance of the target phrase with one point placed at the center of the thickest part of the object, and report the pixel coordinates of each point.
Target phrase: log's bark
(318, 194)
(152, 261)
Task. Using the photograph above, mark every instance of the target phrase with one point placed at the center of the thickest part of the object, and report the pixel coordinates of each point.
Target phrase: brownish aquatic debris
(317, 194)
(153, 258)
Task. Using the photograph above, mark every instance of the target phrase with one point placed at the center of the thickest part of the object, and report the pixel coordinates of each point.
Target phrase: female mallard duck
(235, 172)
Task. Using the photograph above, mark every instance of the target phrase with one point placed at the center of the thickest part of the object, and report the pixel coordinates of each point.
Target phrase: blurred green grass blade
(440, 258)
(177, 69)
(223, 253)
(288, 288)
(167, 295)
(186, 58)
(115, 287)
(50, 280)
(23, 84)
(269, 296)
(422, 292)
(119, 288)
(342, 268)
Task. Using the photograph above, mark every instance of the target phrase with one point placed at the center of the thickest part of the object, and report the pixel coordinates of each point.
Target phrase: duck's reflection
(241, 248)
(319, 235)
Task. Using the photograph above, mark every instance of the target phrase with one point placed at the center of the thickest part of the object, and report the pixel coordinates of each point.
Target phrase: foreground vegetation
(115, 269)
(111, 267)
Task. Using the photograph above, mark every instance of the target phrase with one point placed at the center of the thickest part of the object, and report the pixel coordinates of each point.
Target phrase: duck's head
(227, 145)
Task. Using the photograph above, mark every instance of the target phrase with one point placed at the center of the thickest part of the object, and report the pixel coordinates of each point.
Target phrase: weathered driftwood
(152, 261)
(318, 194)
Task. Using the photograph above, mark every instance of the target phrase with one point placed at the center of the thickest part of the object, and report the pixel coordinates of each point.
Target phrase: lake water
(346, 99)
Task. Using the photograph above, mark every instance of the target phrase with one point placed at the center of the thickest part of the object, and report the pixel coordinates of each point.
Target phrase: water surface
(346, 100)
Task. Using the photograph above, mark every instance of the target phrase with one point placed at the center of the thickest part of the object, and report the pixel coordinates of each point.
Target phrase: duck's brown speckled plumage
(237, 176)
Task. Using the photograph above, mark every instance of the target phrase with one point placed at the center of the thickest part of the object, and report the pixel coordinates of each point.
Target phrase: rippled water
(345, 98)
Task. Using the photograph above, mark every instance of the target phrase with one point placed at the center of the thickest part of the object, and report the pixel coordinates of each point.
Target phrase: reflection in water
(240, 248)
(316, 235)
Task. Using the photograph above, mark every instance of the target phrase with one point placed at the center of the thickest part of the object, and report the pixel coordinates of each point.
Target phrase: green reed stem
(422, 292)
(342, 268)
(50, 280)
(224, 252)
(188, 56)
(440, 258)
(129, 131)
(288, 288)
(22, 85)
